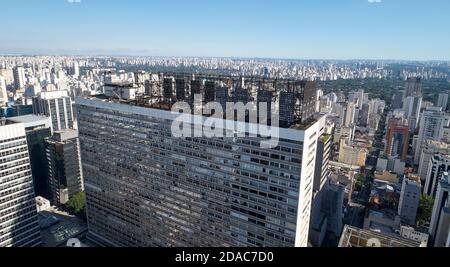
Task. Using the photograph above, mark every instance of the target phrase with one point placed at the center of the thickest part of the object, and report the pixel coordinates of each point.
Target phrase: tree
(359, 181)
(77, 202)
(425, 210)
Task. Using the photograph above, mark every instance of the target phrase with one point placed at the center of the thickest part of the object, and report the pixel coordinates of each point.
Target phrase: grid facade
(19, 225)
(146, 188)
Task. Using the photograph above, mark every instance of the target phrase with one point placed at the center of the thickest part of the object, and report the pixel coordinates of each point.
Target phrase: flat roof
(356, 237)
(296, 133)
(28, 118)
(57, 227)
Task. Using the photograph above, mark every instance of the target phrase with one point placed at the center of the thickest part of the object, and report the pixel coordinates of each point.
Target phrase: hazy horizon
(410, 30)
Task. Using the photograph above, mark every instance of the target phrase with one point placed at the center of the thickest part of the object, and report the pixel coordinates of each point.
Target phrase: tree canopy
(425, 210)
(77, 202)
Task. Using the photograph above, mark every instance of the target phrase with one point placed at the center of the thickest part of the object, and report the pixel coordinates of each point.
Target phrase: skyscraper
(397, 138)
(210, 92)
(180, 85)
(442, 101)
(58, 106)
(146, 187)
(440, 220)
(19, 224)
(19, 77)
(65, 177)
(222, 96)
(168, 88)
(412, 106)
(428, 150)
(439, 164)
(37, 128)
(397, 100)
(432, 124)
(409, 199)
(3, 92)
(413, 87)
(76, 69)
(264, 97)
(350, 114)
(196, 89)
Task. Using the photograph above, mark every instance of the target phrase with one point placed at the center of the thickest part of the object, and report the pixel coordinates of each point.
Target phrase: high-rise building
(180, 89)
(442, 101)
(318, 221)
(432, 124)
(3, 92)
(413, 87)
(376, 106)
(409, 199)
(428, 150)
(364, 115)
(241, 95)
(19, 224)
(332, 207)
(327, 214)
(210, 92)
(412, 106)
(19, 77)
(196, 89)
(439, 164)
(58, 106)
(76, 69)
(397, 100)
(440, 220)
(350, 114)
(37, 128)
(8, 74)
(265, 96)
(65, 177)
(168, 88)
(397, 138)
(145, 187)
(222, 96)
(322, 162)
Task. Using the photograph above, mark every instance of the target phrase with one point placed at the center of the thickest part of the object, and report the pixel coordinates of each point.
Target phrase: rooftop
(355, 237)
(28, 118)
(296, 107)
(57, 227)
(413, 177)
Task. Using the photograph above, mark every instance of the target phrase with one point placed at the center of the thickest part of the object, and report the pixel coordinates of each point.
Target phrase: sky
(294, 29)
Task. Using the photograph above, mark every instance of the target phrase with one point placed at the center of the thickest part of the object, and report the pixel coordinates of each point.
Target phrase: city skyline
(348, 29)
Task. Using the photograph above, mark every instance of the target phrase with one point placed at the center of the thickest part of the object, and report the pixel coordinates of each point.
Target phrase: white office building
(3, 92)
(19, 224)
(19, 77)
(428, 150)
(432, 124)
(58, 106)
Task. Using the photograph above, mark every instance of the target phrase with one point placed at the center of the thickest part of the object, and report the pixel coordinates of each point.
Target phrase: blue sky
(301, 29)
